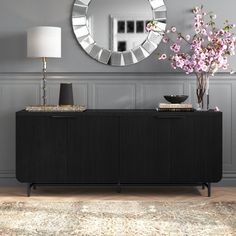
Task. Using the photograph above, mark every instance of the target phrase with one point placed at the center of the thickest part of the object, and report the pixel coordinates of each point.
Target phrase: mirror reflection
(119, 25)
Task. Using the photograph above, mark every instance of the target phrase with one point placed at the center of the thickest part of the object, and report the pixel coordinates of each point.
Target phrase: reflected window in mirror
(139, 26)
(122, 46)
(121, 27)
(130, 26)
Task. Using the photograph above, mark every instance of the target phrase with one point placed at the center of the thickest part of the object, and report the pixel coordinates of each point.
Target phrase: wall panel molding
(116, 95)
(152, 93)
(7, 174)
(75, 76)
(112, 90)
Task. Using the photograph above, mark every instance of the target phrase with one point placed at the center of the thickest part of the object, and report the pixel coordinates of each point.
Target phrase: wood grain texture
(41, 143)
(93, 150)
(145, 146)
(119, 147)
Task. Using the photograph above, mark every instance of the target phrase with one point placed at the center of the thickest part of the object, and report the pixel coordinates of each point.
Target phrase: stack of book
(175, 107)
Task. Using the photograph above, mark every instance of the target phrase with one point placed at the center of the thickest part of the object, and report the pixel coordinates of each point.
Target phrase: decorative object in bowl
(176, 98)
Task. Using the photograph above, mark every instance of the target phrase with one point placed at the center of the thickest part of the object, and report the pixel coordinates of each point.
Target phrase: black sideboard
(119, 147)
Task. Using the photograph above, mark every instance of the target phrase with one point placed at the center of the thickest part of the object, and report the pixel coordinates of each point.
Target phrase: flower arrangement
(203, 53)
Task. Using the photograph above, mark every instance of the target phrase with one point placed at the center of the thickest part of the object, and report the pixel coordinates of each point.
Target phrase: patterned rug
(107, 218)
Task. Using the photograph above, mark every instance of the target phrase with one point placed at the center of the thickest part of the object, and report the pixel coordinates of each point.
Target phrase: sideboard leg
(29, 189)
(118, 188)
(209, 189)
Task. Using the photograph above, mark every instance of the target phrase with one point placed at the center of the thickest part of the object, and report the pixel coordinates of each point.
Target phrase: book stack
(175, 107)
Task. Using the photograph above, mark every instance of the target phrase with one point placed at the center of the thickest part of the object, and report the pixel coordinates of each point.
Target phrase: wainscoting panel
(13, 96)
(113, 91)
(114, 96)
(80, 92)
(221, 95)
(152, 93)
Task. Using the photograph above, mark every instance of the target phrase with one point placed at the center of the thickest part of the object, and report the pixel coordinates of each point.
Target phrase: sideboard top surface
(119, 112)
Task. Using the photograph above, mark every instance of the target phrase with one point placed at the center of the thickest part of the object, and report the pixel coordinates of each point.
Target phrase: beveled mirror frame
(83, 36)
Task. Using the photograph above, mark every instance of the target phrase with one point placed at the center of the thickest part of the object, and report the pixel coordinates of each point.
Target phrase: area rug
(108, 218)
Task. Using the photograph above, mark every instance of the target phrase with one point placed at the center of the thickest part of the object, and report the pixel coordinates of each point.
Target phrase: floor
(127, 194)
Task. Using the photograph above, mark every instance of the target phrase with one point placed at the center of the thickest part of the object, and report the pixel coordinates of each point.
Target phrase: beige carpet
(118, 218)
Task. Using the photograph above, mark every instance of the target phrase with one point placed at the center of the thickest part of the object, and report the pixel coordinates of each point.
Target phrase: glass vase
(202, 91)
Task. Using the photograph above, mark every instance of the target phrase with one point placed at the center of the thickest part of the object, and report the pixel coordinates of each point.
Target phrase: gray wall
(97, 85)
(16, 16)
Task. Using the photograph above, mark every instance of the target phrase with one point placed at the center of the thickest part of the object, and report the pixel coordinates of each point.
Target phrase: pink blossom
(188, 37)
(173, 29)
(225, 67)
(197, 25)
(173, 66)
(208, 50)
(204, 32)
(198, 17)
(151, 26)
(224, 47)
(175, 47)
(179, 38)
(202, 56)
(197, 31)
(214, 17)
(204, 68)
(165, 40)
(163, 56)
(195, 44)
(196, 10)
(201, 63)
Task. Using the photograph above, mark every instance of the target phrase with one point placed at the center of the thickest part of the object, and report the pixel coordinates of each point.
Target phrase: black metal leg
(118, 188)
(209, 189)
(29, 189)
(208, 185)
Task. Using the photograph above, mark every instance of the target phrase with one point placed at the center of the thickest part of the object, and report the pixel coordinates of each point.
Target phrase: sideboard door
(93, 149)
(187, 164)
(145, 152)
(41, 149)
(196, 148)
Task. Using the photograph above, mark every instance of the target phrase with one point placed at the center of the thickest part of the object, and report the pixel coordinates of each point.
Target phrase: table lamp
(44, 42)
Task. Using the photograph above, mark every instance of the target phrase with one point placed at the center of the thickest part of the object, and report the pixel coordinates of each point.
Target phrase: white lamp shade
(44, 41)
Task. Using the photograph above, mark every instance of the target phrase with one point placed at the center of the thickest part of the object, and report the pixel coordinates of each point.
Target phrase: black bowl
(176, 98)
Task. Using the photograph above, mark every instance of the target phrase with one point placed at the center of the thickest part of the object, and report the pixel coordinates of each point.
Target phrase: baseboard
(10, 182)
(226, 182)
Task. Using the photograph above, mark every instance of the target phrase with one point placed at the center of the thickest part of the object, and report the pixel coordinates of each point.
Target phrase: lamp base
(44, 81)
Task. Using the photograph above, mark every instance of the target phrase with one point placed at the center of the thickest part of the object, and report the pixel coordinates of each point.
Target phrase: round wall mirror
(114, 32)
